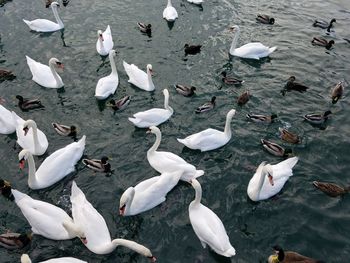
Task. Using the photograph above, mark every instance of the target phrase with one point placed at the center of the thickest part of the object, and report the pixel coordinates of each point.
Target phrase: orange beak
(22, 164)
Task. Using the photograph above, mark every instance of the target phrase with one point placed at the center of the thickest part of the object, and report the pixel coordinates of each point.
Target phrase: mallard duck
(147, 29)
(323, 24)
(28, 104)
(282, 256)
(206, 106)
(292, 85)
(230, 80)
(98, 165)
(5, 189)
(331, 189)
(6, 75)
(275, 149)
(186, 91)
(337, 92)
(265, 19)
(261, 118)
(65, 130)
(243, 98)
(119, 104)
(14, 240)
(317, 118)
(192, 49)
(319, 41)
(288, 136)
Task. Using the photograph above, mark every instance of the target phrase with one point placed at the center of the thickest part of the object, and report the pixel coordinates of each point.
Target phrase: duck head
(271, 21)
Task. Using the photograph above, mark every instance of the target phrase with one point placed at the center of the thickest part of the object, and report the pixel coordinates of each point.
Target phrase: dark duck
(292, 85)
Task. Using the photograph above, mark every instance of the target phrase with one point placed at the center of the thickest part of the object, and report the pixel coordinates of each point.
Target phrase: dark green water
(300, 218)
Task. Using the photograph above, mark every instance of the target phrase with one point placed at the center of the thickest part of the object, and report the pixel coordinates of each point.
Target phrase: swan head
(154, 130)
(231, 113)
(25, 258)
(28, 124)
(149, 69)
(55, 62)
(125, 199)
(112, 52)
(234, 28)
(166, 93)
(22, 157)
(267, 169)
(73, 228)
(55, 5)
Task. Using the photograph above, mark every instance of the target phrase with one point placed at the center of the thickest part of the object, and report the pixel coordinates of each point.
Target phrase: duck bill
(25, 129)
(122, 210)
(22, 164)
(270, 179)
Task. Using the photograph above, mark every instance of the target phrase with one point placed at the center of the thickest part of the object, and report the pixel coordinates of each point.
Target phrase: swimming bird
(104, 42)
(269, 180)
(170, 13)
(265, 19)
(337, 92)
(210, 139)
(119, 104)
(192, 49)
(323, 24)
(138, 77)
(26, 259)
(28, 104)
(65, 130)
(5, 189)
(243, 98)
(230, 80)
(282, 256)
(6, 75)
(196, 2)
(7, 122)
(275, 149)
(317, 118)
(14, 240)
(207, 225)
(319, 41)
(186, 91)
(289, 136)
(292, 85)
(331, 189)
(145, 28)
(207, 106)
(261, 118)
(97, 165)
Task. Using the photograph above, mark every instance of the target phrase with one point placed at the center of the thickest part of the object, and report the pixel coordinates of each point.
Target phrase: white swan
(148, 193)
(104, 42)
(269, 179)
(29, 136)
(44, 25)
(55, 167)
(94, 227)
(26, 259)
(138, 77)
(169, 162)
(196, 2)
(107, 85)
(46, 76)
(155, 116)
(210, 139)
(7, 123)
(254, 50)
(208, 226)
(170, 13)
(45, 219)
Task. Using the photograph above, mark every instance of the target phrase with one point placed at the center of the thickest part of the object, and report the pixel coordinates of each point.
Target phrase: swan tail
(133, 120)
(198, 173)
(18, 195)
(77, 195)
(183, 141)
(272, 49)
(27, 22)
(230, 252)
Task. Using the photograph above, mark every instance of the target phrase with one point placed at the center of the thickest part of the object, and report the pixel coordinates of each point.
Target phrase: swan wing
(64, 260)
(136, 75)
(205, 140)
(170, 13)
(7, 123)
(108, 39)
(150, 117)
(42, 25)
(253, 50)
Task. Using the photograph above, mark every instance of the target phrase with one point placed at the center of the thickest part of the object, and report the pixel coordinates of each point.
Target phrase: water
(300, 218)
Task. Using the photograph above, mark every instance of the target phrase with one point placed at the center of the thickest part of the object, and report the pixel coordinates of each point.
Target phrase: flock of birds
(86, 222)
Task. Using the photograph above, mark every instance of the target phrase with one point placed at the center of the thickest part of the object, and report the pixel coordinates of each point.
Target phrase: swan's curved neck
(35, 138)
(156, 143)
(166, 103)
(112, 62)
(142, 250)
(260, 183)
(149, 77)
(169, 3)
(197, 187)
(31, 170)
(234, 41)
(227, 129)
(58, 19)
(55, 75)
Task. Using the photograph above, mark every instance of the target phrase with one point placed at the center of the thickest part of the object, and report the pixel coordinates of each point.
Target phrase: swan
(104, 42)
(107, 85)
(210, 139)
(148, 193)
(196, 2)
(7, 124)
(29, 136)
(254, 50)
(155, 116)
(169, 162)
(44, 25)
(170, 13)
(46, 76)
(269, 179)
(45, 219)
(93, 225)
(26, 259)
(208, 226)
(138, 77)
(58, 165)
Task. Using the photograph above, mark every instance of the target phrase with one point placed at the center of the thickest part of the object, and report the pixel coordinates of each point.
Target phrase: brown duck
(14, 240)
(282, 256)
(289, 136)
(6, 75)
(337, 92)
(243, 98)
(331, 189)
(319, 41)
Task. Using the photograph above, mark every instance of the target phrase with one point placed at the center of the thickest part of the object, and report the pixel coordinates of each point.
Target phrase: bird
(28, 104)
(26, 259)
(331, 189)
(167, 161)
(254, 50)
(243, 98)
(145, 28)
(104, 42)
(282, 256)
(14, 240)
(319, 41)
(275, 149)
(261, 118)
(170, 13)
(98, 165)
(289, 136)
(196, 2)
(323, 24)
(208, 226)
(265, 19)
(192, 49)
(230, 80)
(65, 130)
(5, 189)
(292, 85)
(207, 106)
(186, 91)
(119, 104)
(44, 25)
(317, 118)
(337, 92)
(269, 180)
(6, 75)
(8, 123)
(138, 77)
(210, 139)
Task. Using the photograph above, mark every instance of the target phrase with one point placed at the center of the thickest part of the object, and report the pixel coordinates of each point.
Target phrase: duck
(186, 91)
(106, 86)
(282, 256)
(7, 123)
(97, 165)
(104, 42)
(331, 189)
(145, 28)
(170, 13)
(5, 189)
(28, 104)
(337, 92)
(6, 75)
(26, 259)
(148, 193)
(292, 85)
(243, 98)
(93, 225)
(65, 130)
(14, 240)
(155, 116)
(207, 225)
(254, 50)
(192, 49)
(138, 77)
(323, 24)
(230, 80)
(261, 118)
(167, 161)
(275, 149)
(119, 104)
(29, 136)
(44, 25)
(210, 139)
(289, 136)
(45, 219)
(317, 118)
(265, 19)
(46, 76)
(269, 180)
(207, 106)
(319, 41)
(55, 167)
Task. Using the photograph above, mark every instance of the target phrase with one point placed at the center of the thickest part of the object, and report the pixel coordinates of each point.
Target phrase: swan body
(44, 25)
(337, 92)
(169, 162)
(170, 13)
(55, 167)
(25, 259)
(155, 116)
(269, 179)
(196, 2)
(210, 139)
(208, 226)
(46, 76)
(104, 42)
(7, 123)
(14, 240)
(254, 50)
(107, 85)
(138, 77)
